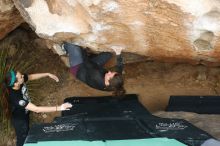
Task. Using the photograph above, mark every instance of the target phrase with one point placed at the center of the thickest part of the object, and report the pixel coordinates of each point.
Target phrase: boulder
(165, 30)
(10, 17)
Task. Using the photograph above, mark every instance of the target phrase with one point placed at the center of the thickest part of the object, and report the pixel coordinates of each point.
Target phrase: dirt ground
(154, 82)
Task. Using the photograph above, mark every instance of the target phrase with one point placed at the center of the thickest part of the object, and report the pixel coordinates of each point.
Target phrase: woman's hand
(65, 106)
(117, 50)
(52, 76)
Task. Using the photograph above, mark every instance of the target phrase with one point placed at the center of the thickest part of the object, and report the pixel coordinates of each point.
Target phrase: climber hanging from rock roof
(91, 71)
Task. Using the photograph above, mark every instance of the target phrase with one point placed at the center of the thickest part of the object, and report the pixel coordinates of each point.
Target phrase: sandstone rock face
(10, 17)
(167, 30)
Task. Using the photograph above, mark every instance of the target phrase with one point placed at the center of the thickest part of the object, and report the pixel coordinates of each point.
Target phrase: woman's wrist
(57, 108)
(47, 74)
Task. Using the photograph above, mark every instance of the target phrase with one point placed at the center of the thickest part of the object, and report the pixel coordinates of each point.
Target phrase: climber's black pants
(21, 129)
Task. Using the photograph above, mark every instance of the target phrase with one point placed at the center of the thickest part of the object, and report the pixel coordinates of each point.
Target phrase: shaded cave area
(153, 81)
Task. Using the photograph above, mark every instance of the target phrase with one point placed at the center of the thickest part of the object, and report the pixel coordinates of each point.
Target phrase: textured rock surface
(10, 17)
(167, 30)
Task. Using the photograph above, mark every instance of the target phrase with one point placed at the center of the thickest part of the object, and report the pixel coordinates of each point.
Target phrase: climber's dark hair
(116, 84)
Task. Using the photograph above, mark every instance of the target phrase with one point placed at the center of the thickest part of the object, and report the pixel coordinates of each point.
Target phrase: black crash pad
(197, 104)
(106, 106)
(108, 118)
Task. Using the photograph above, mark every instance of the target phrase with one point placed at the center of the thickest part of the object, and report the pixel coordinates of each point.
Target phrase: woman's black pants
(21, 129)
